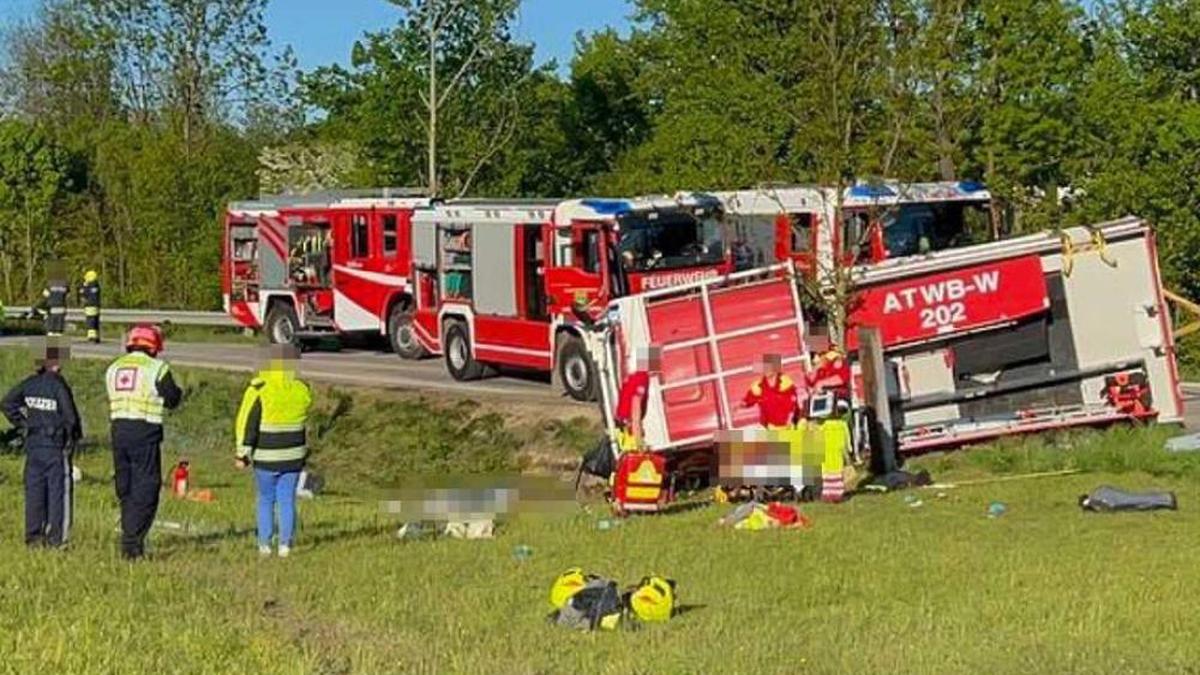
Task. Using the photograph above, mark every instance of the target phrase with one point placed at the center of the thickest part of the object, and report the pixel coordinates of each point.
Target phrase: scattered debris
(471, 529)
(605, 524)
(309, 485)
(459, 529)
(913, 501)
(996, 509)
(416, 530)
(204, 496)
(895, 480)
(756, 516)
(522, 552)
(1107, 498)
(1185, 443)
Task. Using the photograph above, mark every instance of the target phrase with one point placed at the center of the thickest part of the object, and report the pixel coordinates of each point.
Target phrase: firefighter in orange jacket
(775, 394)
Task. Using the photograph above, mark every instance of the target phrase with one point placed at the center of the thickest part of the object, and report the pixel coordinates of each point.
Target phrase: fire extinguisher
(179, 480)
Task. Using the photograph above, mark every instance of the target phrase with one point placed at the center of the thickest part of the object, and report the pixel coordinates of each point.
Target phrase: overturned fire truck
(1047, 331)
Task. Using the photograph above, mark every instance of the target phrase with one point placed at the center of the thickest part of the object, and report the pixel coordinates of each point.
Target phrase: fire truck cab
(878, 221)
(508, 284)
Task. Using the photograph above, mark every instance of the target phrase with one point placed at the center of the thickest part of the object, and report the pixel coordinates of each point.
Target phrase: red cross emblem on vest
(127, 379)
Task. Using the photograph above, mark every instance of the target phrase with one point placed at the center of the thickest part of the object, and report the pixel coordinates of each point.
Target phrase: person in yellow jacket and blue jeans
(271, 437)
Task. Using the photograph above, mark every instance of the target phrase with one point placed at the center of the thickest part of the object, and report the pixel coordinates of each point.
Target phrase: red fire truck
(1045, 331)
(501, 284)
(323, 264)
(344, 263)
(878, 221)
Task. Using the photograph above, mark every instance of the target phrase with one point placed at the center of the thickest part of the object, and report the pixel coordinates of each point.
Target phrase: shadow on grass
(189, 542)
(688, 609)
(340, 535)
(685, 507)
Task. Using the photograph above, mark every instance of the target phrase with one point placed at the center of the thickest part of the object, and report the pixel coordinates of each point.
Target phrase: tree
(448, 69)
(56, 70)
(34, 179)
(304, 167)
(148, 115)
(608, 115)
(194, 63)
(1139, 134)
(1031, 59)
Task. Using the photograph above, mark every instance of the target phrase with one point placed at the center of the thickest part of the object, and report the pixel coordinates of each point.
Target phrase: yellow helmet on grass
(567, 584)
(653, 599)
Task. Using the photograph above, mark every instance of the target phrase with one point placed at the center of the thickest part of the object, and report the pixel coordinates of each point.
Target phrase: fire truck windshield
(663, 241)
(919, 228)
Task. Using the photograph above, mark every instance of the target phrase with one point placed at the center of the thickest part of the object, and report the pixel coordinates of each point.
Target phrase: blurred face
(650, 360)
(282, 358)
(772, 365)
(56, 272)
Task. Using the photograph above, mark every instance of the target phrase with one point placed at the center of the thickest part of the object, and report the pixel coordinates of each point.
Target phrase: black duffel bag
(1107, 498)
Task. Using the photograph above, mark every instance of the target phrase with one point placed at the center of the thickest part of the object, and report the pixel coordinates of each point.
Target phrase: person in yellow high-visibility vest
(271, 436)
(140, 390)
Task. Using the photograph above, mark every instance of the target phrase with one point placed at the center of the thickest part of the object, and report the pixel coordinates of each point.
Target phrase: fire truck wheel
(402, 334)
(576, 371)
(281, 324)
(459, 362)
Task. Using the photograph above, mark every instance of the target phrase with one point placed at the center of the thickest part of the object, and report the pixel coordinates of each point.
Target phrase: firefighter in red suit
(631, 401)
(831, 374)
(775, 394)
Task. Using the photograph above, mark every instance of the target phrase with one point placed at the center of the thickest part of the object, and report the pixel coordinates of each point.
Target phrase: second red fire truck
(485, 283)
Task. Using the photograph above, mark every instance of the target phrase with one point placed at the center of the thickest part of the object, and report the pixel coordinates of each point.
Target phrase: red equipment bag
(1129, 393)
(640, 482)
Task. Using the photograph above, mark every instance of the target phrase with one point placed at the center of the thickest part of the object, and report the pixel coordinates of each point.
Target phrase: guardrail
(180, 317)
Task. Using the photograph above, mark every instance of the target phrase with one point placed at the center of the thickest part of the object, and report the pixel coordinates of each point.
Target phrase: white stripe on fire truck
(512, 350)
(377, 277)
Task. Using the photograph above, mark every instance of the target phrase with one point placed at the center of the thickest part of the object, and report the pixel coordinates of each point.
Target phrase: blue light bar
(871, 191)
(971, 186)
(608, 207)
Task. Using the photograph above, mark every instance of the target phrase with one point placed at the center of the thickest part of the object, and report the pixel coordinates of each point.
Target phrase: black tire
(402, 335)
(282, 325)
(576, 370)
(456, 345)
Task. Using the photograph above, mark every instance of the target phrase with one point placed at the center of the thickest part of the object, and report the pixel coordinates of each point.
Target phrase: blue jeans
(276, 487)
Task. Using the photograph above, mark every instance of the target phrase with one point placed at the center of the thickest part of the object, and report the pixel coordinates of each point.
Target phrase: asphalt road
(363, 368)
(381, 370)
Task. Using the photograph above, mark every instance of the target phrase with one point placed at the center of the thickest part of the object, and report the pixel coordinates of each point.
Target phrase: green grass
(875, 586)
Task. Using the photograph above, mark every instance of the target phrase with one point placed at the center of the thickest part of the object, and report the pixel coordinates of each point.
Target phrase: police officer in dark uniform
(43, 407)
(89, 297)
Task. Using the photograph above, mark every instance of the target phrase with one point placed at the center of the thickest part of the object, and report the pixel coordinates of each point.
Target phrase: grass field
(875, 586)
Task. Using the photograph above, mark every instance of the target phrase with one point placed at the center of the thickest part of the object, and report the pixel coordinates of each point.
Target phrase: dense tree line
(129, 123)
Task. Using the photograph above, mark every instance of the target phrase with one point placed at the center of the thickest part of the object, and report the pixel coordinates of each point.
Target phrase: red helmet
(145, 336)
